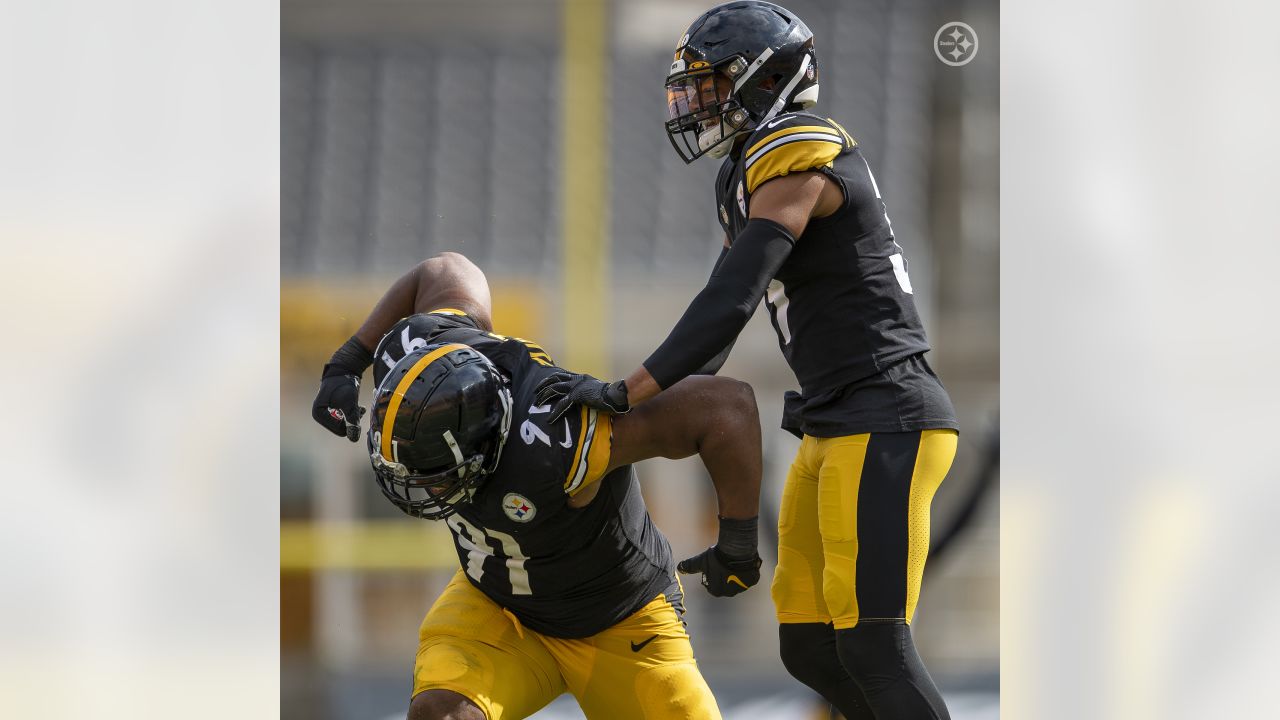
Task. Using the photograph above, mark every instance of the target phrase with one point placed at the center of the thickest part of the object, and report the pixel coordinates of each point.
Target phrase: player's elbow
(743, 402)
(449, 263)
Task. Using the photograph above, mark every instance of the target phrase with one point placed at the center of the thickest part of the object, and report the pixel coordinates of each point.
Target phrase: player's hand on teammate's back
(581, 389)
(723, 576)
(337, 404)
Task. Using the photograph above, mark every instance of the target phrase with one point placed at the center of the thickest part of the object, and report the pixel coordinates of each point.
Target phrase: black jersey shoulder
(792, 142)
(511, 355)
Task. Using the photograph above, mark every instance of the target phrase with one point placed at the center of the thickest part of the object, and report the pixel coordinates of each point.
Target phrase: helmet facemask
(703, 114)
(430, 496)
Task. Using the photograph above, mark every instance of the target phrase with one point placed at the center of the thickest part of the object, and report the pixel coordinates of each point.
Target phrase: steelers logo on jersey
(518, 508)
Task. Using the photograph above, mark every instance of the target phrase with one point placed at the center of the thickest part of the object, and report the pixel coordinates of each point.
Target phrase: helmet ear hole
(769, 83)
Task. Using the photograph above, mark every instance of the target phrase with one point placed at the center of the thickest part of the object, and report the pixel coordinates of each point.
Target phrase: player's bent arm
(448, 280)
(713, 417)
(716, 418)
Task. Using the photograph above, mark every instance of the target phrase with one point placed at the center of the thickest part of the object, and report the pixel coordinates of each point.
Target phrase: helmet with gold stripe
(738, 66)
(439, 421)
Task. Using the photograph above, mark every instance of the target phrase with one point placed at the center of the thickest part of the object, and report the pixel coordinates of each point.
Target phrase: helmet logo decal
(699, 64)
(518, 508)
(742, 201)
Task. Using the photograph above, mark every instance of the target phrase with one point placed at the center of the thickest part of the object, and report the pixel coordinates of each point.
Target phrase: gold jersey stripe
(797, 156)
(577, 450)
(389, 421)
(789, 131)
(591, 458)
(845, 133)
(447, 311)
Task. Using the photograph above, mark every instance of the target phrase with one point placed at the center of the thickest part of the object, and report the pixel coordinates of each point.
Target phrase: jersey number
(408, 342)
(471, 538)
(777, 297)
(897, 260)
(530, 432)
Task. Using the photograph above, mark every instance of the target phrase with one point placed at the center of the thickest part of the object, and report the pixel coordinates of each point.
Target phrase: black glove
(336, 406)
(731, 565)
(574, 389)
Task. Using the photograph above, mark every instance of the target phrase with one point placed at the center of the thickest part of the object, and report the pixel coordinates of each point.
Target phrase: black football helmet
(440, 419)
(739, 65)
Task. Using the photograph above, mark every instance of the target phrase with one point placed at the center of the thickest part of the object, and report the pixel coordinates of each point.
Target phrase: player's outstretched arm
(448, 280)
(780, 210)
(716, 418)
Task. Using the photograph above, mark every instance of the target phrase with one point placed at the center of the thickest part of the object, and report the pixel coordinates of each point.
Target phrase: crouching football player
(565, 583)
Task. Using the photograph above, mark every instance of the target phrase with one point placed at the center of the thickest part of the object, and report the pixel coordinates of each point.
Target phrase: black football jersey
(842, 302)
(563, 571)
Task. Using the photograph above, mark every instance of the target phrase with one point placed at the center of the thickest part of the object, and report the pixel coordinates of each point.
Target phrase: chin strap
(457, 452)
(721, 146)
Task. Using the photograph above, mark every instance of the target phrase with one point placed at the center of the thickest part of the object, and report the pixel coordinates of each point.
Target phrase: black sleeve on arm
(722, 309)
(712, 366)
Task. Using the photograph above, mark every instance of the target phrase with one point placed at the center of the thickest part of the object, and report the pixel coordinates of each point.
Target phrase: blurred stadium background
(527, 134)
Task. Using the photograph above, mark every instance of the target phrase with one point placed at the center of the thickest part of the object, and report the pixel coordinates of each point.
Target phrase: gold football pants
(640, 669)
(853, 529)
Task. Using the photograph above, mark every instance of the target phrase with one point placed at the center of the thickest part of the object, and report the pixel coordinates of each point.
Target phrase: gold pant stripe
(933, 461)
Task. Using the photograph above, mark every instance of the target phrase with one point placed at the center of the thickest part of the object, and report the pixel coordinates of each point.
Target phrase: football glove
(723, 576)
(731, 565)
(578, 389)
(336, 406)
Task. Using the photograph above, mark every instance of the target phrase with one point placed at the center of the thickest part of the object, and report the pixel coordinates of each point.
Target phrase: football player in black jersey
(566, 584)
(805, 230)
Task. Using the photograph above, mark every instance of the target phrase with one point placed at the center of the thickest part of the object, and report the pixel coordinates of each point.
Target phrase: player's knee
(808, 653)
(441, 704)
(876, 654)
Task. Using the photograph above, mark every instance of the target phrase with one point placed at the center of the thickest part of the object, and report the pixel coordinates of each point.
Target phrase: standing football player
(566, 584)
(805, 229)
